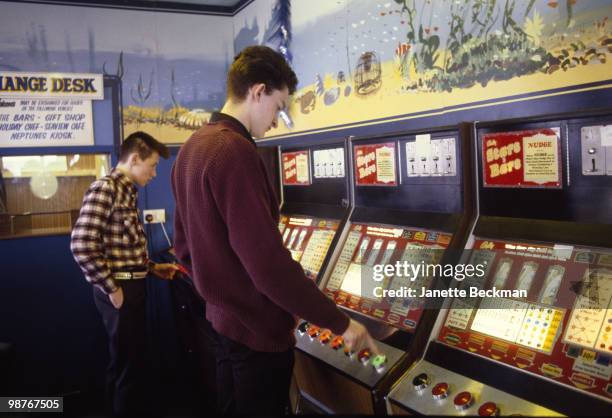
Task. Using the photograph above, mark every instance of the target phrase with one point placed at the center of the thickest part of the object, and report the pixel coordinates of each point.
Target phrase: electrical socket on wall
(154, 216)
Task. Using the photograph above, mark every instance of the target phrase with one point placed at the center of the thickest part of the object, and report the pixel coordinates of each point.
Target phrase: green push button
(379, 361)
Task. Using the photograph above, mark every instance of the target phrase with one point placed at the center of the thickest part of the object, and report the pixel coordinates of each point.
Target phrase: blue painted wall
(47, 312)
(46, 306)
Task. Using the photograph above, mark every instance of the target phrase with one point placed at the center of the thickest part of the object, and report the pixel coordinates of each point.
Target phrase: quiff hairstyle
(144, 145)
(259, 64)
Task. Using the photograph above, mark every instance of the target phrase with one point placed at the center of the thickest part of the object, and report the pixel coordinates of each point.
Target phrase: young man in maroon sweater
(225, 232)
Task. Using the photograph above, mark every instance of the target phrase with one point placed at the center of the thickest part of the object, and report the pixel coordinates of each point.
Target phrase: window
(42, 194)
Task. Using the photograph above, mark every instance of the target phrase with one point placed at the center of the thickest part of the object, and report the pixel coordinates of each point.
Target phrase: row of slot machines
(514, 219)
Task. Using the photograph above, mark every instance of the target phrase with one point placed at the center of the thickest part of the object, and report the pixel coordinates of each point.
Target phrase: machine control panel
(362, 365)
(454, 394)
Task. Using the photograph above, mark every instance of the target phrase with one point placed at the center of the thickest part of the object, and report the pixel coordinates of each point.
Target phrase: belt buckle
(123, 275)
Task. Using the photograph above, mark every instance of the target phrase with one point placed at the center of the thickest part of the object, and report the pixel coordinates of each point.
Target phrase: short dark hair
(259, 64)
(144, 145)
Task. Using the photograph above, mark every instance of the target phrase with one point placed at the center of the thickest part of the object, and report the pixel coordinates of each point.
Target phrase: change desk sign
(47, 109)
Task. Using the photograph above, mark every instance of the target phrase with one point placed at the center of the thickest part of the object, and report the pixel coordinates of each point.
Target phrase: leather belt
(129, 275)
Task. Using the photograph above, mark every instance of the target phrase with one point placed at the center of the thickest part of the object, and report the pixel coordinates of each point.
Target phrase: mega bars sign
(51, 85)
(47, 109)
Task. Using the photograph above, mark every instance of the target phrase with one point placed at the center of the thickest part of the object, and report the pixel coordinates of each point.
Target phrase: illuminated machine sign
(367, 245)
(561, 330)
(296, 168)
(375, 164)
(308, 240)
(528, 159)
(47, 109)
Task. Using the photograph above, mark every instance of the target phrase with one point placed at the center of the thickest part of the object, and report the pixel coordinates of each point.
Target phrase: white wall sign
(45, 122)
(51, 85)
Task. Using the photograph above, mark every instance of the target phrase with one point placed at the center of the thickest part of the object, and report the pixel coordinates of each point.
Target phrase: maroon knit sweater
(226, 233)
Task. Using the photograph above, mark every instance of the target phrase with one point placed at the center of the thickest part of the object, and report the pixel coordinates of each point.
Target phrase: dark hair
(259, 64)
(144, 145)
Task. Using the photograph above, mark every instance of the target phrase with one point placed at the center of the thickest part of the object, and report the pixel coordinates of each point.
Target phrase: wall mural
(364, 60)
(356, 60)
(172, 76)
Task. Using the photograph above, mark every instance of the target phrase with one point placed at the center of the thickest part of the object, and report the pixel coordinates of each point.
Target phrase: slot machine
(409, 203)
(315, 202)
(534, 334)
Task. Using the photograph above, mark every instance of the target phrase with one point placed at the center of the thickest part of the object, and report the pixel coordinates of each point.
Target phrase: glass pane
(42, 194)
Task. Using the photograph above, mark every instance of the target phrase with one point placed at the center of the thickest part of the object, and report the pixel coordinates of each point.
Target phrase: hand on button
(364, 356)
(356, 337)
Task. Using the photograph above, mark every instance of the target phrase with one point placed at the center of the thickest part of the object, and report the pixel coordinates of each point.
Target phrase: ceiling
(227, 7)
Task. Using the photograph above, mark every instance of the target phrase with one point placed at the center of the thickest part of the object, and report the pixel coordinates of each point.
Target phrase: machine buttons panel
(490, 401)
(334, 343)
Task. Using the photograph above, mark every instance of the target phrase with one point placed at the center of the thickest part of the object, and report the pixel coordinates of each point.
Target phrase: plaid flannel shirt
(108, 235)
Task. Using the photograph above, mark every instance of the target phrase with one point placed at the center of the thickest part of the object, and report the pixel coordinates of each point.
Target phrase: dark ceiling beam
(157, 6)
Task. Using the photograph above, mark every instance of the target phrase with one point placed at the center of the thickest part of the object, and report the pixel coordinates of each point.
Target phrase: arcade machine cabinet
(411, 203)
(315, 202)
(545, 233)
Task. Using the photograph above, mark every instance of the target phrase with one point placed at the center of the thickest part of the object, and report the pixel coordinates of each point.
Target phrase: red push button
(337, 342)
(313, 331)
(440, 391)
(463, 401)
(488, 409)
(325, 336)
(364, 356)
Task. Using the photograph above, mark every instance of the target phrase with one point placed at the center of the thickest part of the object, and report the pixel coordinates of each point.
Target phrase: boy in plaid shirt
(109, 244)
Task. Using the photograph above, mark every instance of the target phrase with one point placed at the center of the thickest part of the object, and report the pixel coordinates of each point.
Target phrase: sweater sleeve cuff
(108, 286)
(340, 324)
